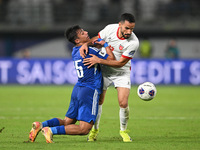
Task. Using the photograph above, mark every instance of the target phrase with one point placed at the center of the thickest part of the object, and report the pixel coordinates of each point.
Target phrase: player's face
(82, 36)
(126, 29)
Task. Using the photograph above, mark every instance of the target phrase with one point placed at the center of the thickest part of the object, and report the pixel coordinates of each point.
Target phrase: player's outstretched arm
(113, 63)
(94, 59)
(84, 48)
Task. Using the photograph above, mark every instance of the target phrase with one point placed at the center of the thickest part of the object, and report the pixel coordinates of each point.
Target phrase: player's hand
(99, 41)
(83, 50)
(91, 61)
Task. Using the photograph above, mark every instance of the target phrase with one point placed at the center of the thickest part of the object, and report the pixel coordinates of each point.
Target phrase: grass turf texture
(168, 122)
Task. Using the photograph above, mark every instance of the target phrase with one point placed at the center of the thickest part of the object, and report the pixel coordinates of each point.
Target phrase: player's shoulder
(133, 42)
(112, 26)
(133, 38)
(75, 52)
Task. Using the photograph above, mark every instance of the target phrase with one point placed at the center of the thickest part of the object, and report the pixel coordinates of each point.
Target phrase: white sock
(124, 116)
(96, 125)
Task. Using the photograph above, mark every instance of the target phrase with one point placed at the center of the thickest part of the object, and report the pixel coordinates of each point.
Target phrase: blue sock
(58, 130)
(51, 123)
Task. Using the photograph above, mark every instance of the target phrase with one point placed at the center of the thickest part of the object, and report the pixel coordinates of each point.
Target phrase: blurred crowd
(151, 17)
(49, 12)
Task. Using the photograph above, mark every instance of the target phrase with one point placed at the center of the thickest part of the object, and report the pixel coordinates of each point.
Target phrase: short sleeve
(131, 50)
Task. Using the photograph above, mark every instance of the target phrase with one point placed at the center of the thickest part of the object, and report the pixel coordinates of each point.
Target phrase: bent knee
(123, 104)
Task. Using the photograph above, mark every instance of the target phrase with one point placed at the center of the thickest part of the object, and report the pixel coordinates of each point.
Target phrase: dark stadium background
(35, 28)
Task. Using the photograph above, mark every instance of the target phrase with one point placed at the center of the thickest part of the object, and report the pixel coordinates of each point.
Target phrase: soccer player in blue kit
(85, 95)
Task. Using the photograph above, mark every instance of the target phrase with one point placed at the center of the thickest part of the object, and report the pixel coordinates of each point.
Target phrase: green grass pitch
(171, 121)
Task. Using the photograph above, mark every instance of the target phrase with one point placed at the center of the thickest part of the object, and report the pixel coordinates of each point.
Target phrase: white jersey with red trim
(120, 47)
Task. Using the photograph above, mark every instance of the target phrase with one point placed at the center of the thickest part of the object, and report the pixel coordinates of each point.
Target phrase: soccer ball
(146, 91)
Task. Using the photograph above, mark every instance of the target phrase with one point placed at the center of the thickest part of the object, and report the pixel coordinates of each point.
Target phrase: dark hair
(128, 17)
(71, 33)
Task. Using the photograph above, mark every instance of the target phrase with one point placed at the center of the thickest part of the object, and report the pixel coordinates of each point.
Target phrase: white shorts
(119, 80)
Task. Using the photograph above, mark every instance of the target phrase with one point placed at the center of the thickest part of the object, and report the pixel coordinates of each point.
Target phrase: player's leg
(51, 123)
(37, 126)
(123, 84)
(58, 122)
(123, 94)
(95, 130)
(67, 121)
(72, 129)
(83, 108)
(70, 117)
(48, 132)
(101, 101)
(82, 129)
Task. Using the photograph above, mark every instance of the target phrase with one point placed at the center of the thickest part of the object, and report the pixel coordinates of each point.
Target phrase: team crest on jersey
(121, 47)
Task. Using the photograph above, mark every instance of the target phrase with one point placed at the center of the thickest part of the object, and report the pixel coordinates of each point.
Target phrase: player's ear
(77, 41)
(120, 24)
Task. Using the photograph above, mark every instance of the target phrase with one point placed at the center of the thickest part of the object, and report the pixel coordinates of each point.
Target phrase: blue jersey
(88, 77)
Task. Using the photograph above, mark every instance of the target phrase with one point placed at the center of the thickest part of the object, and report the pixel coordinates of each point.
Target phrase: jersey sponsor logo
(132, 53)
(121, 47)
(102, 53)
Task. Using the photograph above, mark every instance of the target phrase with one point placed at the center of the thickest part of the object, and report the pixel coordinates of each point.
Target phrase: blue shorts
(84, 104)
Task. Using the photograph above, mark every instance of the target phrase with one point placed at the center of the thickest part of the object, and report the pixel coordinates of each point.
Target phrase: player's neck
(79, 44)
(119, 33)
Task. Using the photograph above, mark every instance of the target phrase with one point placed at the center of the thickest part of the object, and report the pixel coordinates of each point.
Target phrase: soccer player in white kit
(123, 43)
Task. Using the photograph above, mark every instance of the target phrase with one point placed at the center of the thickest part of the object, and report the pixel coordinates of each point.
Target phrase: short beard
(125, 37)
